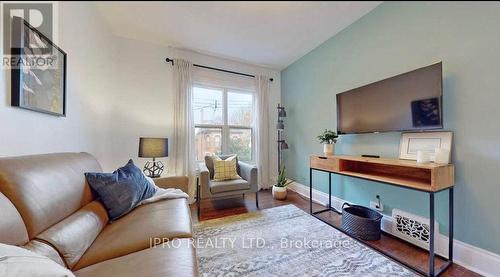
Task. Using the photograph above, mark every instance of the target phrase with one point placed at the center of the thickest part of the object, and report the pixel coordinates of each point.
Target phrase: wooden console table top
(428, 177)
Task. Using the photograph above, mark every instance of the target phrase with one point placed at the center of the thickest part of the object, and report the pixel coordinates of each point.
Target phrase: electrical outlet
(374, 205)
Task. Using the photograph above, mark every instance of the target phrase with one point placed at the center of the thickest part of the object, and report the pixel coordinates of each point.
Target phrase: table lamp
(153, 148)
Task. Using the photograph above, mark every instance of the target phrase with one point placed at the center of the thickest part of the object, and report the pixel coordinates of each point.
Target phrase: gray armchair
(227, 189)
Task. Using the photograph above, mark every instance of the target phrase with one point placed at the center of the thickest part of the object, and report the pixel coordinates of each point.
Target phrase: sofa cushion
(12, 229)
(133, 232)
(73, 235)
(47, 188)
(177, 182)
(19, 262)
(230, 185)
(157, 261)
(121, 190)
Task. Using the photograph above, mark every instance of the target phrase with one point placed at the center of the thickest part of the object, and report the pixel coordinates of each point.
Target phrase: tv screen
(406, 102)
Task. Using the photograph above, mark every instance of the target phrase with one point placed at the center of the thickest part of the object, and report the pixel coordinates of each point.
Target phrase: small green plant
(282, 181)
(328, 137)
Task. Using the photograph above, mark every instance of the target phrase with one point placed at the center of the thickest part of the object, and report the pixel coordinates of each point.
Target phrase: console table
(429, 178)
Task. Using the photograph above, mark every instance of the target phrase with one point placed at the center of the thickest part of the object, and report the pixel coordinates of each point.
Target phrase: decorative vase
(279, 193)
(329, 148)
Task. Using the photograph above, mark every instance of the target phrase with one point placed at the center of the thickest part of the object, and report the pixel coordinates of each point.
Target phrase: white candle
(423, 157)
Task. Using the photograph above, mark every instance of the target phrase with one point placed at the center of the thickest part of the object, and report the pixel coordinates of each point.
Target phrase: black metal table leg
(329, 190)
(432, 253)
(450, 224)
(310, 190)
(431, 234)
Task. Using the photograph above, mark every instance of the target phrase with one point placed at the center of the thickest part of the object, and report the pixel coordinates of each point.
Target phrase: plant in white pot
(279, 189)
(328, 138)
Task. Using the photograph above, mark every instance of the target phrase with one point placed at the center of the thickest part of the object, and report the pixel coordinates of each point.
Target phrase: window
(223, 121)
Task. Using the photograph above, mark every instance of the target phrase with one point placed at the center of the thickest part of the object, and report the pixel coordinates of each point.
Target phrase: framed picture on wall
(39, 76)
(426, 141)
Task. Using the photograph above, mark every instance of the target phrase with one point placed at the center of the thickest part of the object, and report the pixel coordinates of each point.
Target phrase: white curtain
(262, 88)
(183, 156)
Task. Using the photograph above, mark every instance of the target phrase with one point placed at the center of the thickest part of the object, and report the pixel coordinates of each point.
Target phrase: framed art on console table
(427, 142)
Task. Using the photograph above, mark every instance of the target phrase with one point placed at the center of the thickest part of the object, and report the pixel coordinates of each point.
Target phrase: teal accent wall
(394, 38)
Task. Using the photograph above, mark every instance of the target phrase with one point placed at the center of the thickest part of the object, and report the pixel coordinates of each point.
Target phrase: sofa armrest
(177, 182)
(204, 179)
(249, 173)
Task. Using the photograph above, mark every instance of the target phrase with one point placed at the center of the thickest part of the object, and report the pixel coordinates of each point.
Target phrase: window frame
(225, 127)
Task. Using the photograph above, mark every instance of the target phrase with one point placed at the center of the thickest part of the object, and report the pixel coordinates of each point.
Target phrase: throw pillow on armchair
(225, 169)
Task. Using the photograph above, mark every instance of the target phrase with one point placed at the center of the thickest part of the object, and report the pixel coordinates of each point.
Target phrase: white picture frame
(425, 141)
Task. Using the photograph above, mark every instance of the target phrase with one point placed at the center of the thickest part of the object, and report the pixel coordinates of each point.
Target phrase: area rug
(284, 241)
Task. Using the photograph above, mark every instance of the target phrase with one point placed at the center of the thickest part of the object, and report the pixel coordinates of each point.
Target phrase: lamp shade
(281, 112)
(153, 147)
(284, 145)
(280, 125)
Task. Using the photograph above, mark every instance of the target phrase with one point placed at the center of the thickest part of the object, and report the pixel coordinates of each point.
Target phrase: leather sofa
(47, 207)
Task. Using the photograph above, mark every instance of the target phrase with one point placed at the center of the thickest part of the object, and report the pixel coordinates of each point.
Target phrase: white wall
(143, 99)
(145, 104)
(88, 45)
(118, 90)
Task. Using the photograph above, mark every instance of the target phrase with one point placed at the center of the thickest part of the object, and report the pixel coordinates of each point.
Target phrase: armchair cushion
(230, 185)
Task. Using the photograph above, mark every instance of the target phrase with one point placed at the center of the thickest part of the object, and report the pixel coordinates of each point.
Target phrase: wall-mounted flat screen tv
(407, 102)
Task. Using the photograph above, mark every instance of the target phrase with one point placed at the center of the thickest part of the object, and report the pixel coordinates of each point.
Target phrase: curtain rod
(169, 60)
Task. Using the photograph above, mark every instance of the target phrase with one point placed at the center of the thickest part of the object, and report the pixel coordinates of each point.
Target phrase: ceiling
(272, 34)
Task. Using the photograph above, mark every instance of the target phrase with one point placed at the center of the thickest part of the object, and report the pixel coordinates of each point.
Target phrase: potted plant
(279, 189)
(328, 138)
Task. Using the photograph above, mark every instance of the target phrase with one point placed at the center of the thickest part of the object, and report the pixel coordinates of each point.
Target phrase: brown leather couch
(46, 206)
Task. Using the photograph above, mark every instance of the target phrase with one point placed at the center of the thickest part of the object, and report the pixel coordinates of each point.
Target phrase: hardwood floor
(403, 250)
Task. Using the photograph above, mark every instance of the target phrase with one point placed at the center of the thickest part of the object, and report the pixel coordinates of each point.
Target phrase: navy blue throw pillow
(121, 190)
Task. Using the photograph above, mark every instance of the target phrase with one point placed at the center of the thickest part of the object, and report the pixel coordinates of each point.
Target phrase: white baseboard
(473, 258)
